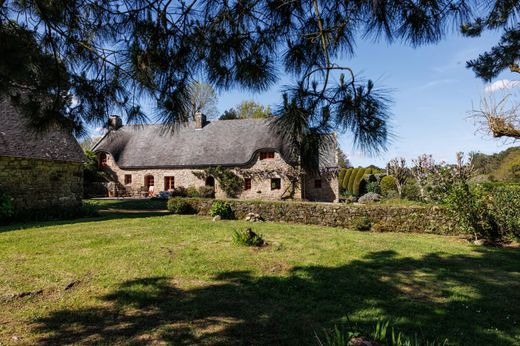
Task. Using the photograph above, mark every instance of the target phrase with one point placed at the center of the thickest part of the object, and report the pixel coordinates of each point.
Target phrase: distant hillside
(503, 166)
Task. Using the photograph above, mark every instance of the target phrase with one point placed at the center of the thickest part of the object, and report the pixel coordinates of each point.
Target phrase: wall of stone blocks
(38, 184)
(384, 218)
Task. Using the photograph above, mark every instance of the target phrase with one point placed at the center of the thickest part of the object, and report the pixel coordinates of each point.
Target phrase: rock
(216, 218)
(252, 217)
(480, 242)
(370, 198)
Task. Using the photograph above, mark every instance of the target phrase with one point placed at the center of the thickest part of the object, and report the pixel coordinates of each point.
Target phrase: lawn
(132, 279)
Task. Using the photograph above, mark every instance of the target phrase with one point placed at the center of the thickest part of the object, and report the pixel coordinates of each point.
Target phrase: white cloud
(502, 84)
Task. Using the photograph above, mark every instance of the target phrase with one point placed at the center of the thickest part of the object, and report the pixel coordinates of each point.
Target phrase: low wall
(384, 218)
(39, 184)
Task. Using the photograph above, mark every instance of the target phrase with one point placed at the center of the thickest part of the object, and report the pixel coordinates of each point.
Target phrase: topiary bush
(388, 183)
(222, 209)
(357, 181)
(248, 238)
(346, 177)
(6, 206)
(351, 179)
(177, 205)
(341, 176)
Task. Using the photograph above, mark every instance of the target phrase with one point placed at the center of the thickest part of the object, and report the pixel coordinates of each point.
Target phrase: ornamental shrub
(411, 191)
(248, 238)
(206, 192)
(388, 183)
(177, 205)
(351, 179)
(222, 209)
(506, 211)
(373, 186)
(357, 181)
(6, 206)
(179, 191)
(192, 191)
(341, 176)
(344, 183)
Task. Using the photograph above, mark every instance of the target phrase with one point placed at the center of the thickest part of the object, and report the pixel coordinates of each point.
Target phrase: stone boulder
(369, 198)
(252, 217)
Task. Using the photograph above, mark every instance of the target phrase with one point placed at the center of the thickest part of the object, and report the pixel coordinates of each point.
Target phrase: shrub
(388, 183)
(248, 238)
(6, 206)
(472, 207)
(222, 209)
(357, 181)
(373, 186)
(351, 179)
(341, 176)
(412, 191)
(206, 192)
(179, 191)
(506, 211)
(177, 205)
(346, 178)
(192, 191)
(362, 223)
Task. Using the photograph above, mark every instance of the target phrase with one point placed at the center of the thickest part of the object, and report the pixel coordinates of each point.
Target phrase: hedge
(351, 179)
(344, 183)
(357, 181)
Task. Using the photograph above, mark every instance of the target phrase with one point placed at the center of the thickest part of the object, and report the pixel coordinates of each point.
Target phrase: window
(128, 179)
(317, 183)
(267, 155)
(247, 184)
(103, 160)
(276, 184)
(169, 183)
(210, 181)
(149, 181)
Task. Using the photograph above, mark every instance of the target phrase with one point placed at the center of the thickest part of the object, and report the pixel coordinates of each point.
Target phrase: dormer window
(103, 160)
(267, 155)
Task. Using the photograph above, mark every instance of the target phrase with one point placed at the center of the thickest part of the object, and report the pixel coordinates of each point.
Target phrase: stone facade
(384, 218)
(39, 184)
(260, 172)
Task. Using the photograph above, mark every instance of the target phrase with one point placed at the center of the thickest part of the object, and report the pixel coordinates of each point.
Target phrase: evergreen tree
(92, 58)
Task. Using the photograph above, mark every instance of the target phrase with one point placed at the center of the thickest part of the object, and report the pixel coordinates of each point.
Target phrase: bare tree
(203, 98)
(498, 116)
(397, 168)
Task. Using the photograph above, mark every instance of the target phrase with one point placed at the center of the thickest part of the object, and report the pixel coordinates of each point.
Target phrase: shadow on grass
(466, 299)
(103, 216)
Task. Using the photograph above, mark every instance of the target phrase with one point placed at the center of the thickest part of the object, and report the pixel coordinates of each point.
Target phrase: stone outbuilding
(38, 169)
(148, 159)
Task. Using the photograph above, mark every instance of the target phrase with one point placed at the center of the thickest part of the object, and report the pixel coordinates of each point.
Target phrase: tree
(397, 168)
(230, 114)
(500, 118)
(110, 55)
(203, 98)
(252, 110)
(343, 161)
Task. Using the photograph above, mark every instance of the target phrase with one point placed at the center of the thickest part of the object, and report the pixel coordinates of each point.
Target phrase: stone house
(38, 169)
(147, 159)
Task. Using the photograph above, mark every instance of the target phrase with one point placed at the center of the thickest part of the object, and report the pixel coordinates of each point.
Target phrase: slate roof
(218, 143)
(19, 140)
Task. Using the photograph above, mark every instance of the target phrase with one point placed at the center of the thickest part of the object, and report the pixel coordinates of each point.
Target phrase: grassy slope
(179, 279)
(499, 165)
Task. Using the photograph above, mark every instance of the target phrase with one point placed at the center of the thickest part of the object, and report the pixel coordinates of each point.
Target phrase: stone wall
(384, 218)
(260, 186)
(38, 184)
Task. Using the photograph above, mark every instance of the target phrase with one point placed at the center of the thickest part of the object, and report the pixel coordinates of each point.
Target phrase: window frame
(267, 155)
(128, 179)
(169, 182)
(103, 160)
(247, 184)
(276, 184)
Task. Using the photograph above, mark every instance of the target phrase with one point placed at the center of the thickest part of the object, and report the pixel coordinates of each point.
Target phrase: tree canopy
(247, 110)
(97, 57)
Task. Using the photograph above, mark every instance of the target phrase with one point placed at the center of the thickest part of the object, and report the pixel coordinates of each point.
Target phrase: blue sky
(432, 92)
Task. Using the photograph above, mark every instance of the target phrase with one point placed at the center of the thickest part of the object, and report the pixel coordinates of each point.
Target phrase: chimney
(114, 122)
(200, 120)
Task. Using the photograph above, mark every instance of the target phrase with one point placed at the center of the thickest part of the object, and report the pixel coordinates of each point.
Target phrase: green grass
(181, 280)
